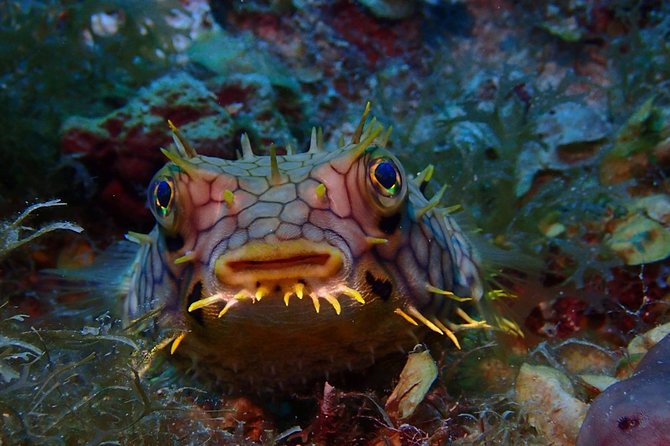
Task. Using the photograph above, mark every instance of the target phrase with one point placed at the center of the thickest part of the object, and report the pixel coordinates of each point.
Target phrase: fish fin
(104, 283)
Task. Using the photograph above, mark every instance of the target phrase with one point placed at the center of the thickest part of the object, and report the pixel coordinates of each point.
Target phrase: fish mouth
(281, 262)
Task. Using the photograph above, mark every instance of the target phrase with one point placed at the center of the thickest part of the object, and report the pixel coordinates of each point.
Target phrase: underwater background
(548, 121)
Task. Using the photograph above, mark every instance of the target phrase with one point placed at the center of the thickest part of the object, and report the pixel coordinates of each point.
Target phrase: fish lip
(284, 261)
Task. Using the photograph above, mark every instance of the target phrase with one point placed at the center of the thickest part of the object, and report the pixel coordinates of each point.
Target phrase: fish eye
(162, 197)
(385, 177)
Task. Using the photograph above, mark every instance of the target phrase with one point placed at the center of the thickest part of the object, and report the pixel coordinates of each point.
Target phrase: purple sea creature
(635, 411)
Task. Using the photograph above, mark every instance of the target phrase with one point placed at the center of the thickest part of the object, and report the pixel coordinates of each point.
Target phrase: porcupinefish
(274, 269)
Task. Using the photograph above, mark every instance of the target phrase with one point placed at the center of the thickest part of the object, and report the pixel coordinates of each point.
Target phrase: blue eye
(385, 176)
(163, 196)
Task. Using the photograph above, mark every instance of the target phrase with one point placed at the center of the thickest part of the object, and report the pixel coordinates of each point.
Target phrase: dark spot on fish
(389, 224)
(380, 287)
(174, 242)
(628, 423)
(195, 295)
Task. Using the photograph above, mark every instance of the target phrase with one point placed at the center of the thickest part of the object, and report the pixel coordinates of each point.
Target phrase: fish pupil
(385, 173)
(163, 193)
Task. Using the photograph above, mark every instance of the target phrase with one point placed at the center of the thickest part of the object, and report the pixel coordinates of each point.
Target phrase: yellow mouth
(280, 262)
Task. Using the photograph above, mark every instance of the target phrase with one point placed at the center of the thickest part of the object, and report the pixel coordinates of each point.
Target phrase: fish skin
(634, 411)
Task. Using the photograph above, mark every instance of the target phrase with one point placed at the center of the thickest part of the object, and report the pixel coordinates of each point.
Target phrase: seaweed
(14, 234)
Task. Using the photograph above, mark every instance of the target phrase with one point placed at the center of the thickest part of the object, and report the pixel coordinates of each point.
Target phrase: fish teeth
(247, 152)
(182, 143)
(332, 300)
(205, 302)
(405, 316)
(287, 296)
(243, 294)
(412, 311)
(228, 306)
(448, 333)
(188, 257)
(299, 289)
(431, 289)
(433, 202)
(175, 344)
(315, 301)
(139, 238)
(261, 292)
(350, 292)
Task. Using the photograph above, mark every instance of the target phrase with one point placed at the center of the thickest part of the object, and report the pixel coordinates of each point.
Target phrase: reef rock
(547, 397)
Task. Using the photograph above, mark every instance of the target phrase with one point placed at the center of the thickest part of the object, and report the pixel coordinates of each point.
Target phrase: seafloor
(548, 121)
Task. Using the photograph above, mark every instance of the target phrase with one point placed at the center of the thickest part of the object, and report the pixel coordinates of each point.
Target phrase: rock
(415, 379)
(547, 397)
(638, 239)
(641, 344)
(640, 142)
(571, 134)
(122, 149)
(599, 382)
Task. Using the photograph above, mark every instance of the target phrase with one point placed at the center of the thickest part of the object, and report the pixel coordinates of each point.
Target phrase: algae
(14, 234)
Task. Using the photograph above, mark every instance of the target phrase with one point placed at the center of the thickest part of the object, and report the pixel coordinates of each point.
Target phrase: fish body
(274, 270)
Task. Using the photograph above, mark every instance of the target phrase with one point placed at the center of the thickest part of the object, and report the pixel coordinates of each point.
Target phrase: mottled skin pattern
(248, 239)
(635, 411)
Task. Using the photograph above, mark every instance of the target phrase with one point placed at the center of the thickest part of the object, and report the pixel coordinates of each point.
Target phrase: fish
(274, 270)
(634, 411)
